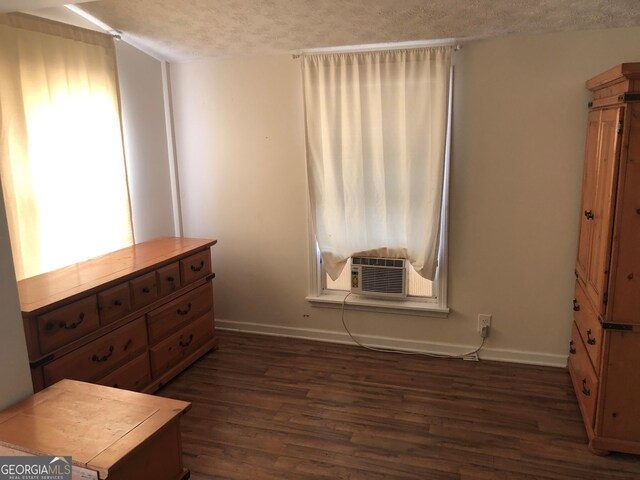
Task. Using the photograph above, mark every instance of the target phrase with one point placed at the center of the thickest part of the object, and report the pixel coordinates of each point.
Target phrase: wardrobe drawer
(172, 350)
(134, 375)
(65, 324)
(100, 356)
(143, 290)
(195, 266)
(168, 318)
(168, 279)
(585, 380)
(114, 303)
(588, 325)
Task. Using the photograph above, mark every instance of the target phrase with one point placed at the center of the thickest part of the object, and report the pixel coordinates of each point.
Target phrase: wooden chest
(109, 433)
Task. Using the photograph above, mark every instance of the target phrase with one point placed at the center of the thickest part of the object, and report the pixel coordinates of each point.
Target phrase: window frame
(436, 306)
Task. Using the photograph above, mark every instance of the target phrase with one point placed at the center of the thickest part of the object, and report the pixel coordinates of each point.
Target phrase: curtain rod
(408, 46)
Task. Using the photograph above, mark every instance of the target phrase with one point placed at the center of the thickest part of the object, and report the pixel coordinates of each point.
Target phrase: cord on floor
(389, 350)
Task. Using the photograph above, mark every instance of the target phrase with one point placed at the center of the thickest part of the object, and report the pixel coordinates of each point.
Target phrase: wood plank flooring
(278, 408)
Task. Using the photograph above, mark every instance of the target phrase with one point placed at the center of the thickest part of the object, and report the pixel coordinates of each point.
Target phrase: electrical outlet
(484, 323)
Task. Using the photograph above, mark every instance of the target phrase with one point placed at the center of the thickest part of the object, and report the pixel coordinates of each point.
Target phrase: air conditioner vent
(382, 262)
(378, 276)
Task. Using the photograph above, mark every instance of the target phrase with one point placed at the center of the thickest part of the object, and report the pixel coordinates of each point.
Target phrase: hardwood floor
(277, 408)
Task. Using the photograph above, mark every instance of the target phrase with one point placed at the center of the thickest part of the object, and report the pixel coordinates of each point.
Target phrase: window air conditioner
(380, 277)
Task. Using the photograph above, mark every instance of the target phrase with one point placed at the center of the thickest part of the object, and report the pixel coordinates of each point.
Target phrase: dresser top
(49, 288)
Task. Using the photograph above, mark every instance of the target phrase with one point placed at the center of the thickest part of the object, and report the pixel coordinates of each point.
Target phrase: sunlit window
(61, 152)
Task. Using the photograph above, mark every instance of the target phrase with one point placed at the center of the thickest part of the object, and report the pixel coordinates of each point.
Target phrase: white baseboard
(487, 353)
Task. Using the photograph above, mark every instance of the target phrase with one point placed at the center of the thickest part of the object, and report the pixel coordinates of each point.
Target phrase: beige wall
(519, 120)
(15, 377)
(145, 142)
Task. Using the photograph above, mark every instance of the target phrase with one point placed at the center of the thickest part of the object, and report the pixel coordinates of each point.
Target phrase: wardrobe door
(599, 210)
(588, 194)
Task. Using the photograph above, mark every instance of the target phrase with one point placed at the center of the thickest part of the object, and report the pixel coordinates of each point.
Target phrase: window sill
(368, 304)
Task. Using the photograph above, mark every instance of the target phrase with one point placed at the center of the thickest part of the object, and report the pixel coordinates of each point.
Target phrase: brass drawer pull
(572, 349)
(63, 324)
(103, 358)
(590, 339)
(197, 269)
(585, 391)
(576, 307)
(185, 311)
(187, 343)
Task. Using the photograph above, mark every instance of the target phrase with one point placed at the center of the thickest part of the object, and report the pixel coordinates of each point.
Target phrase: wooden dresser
(604, 359)
(131, 319)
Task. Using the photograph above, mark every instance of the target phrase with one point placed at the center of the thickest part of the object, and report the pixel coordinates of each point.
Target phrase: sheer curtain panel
(61, 153)
(376, 129)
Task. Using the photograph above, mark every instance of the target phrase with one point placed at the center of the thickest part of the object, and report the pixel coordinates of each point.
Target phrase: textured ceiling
(187, 29)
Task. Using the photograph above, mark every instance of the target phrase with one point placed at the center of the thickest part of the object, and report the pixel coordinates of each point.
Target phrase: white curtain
(61, 153)
(376, 129)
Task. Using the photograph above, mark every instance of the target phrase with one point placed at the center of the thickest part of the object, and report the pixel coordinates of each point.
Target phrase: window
(377, 148)
(61, 152)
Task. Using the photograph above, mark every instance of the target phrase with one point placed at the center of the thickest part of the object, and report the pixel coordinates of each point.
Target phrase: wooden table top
(96, 425)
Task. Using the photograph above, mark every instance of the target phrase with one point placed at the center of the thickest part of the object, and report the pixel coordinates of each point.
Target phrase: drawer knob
(588, 214)
(576, 306)
(171, 279)
(180, 311)
(146, 290)
(572, 349)
(103, 358)
(128, 344)
(590, 339)
(65, 325)
(187, 343)
(585, 391)
(117, 303)
(198, 268)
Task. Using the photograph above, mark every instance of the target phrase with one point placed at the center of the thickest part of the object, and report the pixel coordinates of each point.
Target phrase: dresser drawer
(99, 357)
(65, 324)
(168, 318)
(144, 290)
(134, 375)
(585, 380)
(114, 303)
(588, 326)
(195, 266)
(172, 350)
(168, 279)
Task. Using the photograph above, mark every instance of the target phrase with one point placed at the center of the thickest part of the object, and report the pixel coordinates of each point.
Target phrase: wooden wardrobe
(604, 358)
